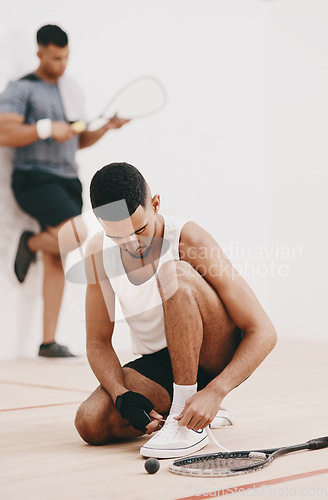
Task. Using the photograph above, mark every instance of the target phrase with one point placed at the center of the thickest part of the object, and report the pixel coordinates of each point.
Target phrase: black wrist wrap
(135, 408)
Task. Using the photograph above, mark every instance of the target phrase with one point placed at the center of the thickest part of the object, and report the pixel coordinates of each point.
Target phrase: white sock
(180, 395)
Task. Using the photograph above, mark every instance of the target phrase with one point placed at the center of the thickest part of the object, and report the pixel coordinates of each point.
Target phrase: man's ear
(156, 202)
(40, 51)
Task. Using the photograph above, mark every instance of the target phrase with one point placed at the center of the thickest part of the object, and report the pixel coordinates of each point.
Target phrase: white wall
(297, 104)
(240, 147)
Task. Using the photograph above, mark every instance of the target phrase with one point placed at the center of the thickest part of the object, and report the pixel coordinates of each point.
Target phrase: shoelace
(210, 433)
(170, 428)
(171, 431)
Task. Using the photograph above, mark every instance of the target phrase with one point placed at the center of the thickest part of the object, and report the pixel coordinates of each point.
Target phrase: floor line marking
(39, 386)
(41, 406)
(253, 486)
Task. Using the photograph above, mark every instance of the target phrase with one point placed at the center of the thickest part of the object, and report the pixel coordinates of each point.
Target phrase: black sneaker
(54, 350)
(24, 257)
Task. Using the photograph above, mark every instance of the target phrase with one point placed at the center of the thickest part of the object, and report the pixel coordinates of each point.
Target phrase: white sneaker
(223, 418)
(174, 441)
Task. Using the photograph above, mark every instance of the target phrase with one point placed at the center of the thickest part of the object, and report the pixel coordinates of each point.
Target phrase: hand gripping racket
(237, 462)
(142, 97)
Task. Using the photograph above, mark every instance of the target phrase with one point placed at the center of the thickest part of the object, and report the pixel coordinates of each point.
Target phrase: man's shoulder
(25, 81)
(191, 232)
(30, 77)
(23, 84)
(195, 236)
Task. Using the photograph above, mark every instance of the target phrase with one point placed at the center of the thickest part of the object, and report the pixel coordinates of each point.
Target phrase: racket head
(221, 464)
(237, 462)
(140, 98)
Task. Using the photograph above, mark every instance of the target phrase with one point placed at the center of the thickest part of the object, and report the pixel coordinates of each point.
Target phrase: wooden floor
(42, 456)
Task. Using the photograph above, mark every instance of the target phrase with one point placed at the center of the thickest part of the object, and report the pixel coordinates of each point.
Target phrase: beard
(143, 253)
(144, 250)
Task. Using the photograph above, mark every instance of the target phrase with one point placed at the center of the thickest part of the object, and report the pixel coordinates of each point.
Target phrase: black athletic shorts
(49, 198)
(157, 367)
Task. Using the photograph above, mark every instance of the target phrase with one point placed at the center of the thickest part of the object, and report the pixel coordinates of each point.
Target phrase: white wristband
(44, 128)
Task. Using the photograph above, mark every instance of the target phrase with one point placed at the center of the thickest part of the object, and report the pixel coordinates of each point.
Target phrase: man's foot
(223, 418)
(173, 441)
(24, 257)
(54, 350)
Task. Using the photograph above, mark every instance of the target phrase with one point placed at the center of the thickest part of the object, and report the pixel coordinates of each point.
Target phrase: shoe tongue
(168, 423)
(168, 430)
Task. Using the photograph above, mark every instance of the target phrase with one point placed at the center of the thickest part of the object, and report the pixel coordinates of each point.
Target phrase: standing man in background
(34, 119)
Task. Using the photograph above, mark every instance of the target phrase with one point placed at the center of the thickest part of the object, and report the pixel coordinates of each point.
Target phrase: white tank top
(142, 304)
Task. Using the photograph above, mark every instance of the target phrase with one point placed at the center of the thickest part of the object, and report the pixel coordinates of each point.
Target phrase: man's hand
(200, 409)
(115, 122)
(139, 410)
(90, 137)
(62, 131)
(154, 425)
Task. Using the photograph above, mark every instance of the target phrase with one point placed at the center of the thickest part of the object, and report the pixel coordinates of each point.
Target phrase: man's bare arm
(88, 138)
(16, 134)
(100, 309)
(201, 250)
(100, 320)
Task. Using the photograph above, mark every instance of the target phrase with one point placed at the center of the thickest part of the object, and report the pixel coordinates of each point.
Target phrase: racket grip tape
(316, 444)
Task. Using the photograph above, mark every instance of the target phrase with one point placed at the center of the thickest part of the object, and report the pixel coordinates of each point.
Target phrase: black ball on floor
(152, 465)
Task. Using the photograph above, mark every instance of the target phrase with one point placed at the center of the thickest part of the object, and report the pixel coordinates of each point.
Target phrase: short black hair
(50, 33)
(113, 183)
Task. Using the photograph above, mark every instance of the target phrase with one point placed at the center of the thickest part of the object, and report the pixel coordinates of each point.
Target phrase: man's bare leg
(99, 422)
(72, 233)
(61, 239)
(199, 333)
(53, 289)
(197, 327)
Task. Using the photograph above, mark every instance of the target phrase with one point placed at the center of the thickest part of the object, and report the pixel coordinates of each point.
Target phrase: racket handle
(316, 444)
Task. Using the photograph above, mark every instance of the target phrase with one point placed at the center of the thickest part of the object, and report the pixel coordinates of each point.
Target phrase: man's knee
(176, 279)
(88, 425)
(70, 235)
(96, 430)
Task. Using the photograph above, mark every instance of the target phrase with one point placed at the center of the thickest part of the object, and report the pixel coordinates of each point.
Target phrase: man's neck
(40, 73)
(131, 263)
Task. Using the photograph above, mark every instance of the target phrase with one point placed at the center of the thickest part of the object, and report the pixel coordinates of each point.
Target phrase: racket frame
(103, 116)
(271, 454)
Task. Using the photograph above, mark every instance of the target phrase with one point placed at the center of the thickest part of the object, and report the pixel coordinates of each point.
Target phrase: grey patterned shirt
(36, 99)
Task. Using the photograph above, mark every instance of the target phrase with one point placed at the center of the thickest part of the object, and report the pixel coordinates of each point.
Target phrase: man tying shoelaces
(196, 323)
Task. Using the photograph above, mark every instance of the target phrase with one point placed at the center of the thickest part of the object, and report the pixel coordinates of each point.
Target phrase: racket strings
(238, 462)
(221, 462)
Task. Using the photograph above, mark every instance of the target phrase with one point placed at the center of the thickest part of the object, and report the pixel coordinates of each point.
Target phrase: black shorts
(157, 367)
(49, 198)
